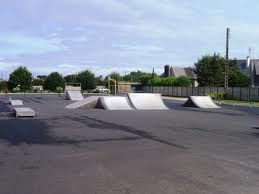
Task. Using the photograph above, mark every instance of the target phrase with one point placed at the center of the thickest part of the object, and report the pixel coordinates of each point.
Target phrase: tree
(236, 77)
(41, 77)
(210, 71)
(53, 81)
(138, 76)
(37, 82)
(87, 80)
(3, 86)
(114, 75)
(70, 79)
(99, 80)
(144, 79)
(20, 77)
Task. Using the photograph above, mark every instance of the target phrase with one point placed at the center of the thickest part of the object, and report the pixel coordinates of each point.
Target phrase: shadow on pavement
(99, 124)
(20, 131)
(4, 108)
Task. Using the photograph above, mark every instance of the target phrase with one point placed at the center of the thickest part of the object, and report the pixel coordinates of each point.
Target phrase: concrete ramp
(147, 101)
(15, 102)
(104, 102)
(115, 103)
(89, 102)
(201, 102)
(74, 95)
(24, 112)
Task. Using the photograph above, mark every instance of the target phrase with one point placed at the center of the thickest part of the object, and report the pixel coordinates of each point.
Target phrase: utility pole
(227, 57)
(251, 68)
(153, 77)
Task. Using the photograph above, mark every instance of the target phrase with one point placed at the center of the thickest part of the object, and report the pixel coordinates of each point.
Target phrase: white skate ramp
(115, 103)
(146, 101)
(16, 102)
(24, 112)
(201, 102)
(74, 95)
(89, 102)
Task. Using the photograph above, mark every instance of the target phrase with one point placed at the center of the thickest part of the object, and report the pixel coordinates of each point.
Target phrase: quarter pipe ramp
(115, 103)
(147, 101)
(201, 102)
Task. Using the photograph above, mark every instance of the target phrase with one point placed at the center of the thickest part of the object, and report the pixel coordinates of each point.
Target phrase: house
(250, 67)
(170, 71)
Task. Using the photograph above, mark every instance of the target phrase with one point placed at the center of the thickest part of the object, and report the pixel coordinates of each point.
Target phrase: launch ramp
(146, 101)
(74, 95)
(201, 102)
(104, 102)
(15, 102)
(89, 102)
(24, 112)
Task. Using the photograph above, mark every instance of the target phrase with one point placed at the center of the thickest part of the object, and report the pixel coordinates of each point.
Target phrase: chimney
(167, 71)
(172, 71)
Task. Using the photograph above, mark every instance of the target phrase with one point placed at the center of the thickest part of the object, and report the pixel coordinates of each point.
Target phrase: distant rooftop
(242, 64)
(178, 71)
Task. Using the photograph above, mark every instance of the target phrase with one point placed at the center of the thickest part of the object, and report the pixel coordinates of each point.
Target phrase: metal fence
(232, 93)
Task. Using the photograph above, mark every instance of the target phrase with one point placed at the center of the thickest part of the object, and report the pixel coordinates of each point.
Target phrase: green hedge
(181, 81)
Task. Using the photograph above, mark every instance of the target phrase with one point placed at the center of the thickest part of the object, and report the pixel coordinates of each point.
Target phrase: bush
(216, 96)
(183, 81)
(59, 90)
(17, 89)
(35, 90)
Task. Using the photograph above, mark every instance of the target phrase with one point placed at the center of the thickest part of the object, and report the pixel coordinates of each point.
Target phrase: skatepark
(173, 149)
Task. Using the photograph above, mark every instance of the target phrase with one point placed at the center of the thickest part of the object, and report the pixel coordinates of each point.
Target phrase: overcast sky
(122, 35)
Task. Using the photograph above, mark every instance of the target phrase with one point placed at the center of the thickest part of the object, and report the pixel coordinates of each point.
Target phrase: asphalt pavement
(182, 150)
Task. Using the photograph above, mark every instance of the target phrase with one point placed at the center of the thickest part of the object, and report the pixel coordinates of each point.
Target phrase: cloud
(13, 44)
(104, 35)
(7, 67)
(81, 39)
